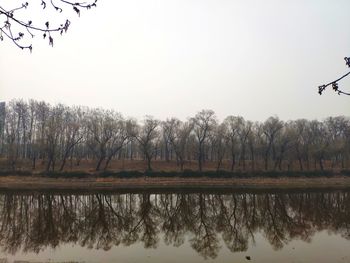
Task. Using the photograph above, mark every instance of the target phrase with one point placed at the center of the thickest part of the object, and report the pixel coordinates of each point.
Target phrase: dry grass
(157, 165)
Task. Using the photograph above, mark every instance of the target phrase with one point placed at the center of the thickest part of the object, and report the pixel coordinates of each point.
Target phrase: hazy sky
(173, 58)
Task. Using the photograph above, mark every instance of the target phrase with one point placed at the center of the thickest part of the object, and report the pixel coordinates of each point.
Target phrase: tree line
(55, 135)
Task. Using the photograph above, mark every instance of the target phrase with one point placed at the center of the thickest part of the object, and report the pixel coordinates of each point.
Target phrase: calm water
(290, 226)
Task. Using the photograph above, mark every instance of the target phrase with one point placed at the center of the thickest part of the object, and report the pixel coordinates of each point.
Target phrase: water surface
(170, 226)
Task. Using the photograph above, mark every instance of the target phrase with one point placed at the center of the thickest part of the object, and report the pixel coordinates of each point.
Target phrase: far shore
(36, 182)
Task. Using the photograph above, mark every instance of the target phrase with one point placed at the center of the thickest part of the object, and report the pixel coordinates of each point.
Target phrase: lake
(176, 226)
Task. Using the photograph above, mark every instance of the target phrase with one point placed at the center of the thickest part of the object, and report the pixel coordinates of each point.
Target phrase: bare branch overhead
(19, 31)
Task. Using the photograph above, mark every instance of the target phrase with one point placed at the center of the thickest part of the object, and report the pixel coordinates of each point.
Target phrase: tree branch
(334, 83)
(11, 19)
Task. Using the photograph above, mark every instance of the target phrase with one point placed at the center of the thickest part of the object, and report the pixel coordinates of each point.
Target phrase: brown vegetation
(88, 166)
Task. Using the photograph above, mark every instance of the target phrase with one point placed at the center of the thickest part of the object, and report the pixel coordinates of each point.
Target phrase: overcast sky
(173, 58)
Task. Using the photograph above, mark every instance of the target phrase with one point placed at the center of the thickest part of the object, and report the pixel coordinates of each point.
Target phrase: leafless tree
(320, 142)
(104, 130)
(147, 137)
(123, 132)
(232, 132)
(177, 133)
(11, 133)
(203, 123)
(301, 142)
(53, 131)
(220, 140)
(243, 130)
(72, 131)
(271, 127)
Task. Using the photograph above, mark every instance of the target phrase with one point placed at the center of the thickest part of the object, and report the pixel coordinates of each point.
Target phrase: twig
(334, 83)
(10, 19)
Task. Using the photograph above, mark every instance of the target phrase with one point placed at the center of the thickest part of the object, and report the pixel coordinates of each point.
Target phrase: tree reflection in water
(33, 222)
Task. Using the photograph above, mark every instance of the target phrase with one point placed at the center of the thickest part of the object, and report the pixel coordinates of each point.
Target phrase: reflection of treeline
(60, 137)
(34, 222)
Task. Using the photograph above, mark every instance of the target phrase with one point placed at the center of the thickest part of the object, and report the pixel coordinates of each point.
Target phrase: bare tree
(320, 142)
(271, 127)
(42, 116)
(232, 132)
(337, 129)
(104, 128)
(301, 142)
(53, 132)
(244, 129)
(73, 132)
(147, 137)
(123, 131)
(11, 132)
(220, 140)
(203, 123)
(284, 144)
(177, 132)
(31, 132)
(253, 142)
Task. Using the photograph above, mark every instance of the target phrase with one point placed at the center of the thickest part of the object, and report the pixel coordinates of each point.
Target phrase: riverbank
(111, 183)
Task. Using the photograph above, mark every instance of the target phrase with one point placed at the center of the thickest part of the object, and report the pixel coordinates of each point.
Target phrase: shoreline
(13, 182)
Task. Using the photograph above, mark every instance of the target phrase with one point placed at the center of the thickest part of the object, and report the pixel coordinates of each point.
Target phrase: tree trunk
(280, 164)
(219, 164)
(200, 158)
(53, 164)
(99, 163)
(253, 158)
(321, 164)
(33, 163)
(276, 163)
(149, 168)
(63, 164)
(300, 164)
(200, 163)
(266, 162)
(64, 160)
(243, 157)
(107, 162)
(181, 165)
(48, 164)
(233, 162)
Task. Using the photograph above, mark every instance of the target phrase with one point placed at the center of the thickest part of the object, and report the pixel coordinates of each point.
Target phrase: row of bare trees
(57, 135)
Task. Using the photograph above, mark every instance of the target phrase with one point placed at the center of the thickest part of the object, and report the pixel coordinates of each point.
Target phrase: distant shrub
(122, 174)
(71, 174)
(345, 172)
(15, 172)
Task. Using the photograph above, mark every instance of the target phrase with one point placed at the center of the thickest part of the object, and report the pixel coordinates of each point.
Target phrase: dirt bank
(93, 183)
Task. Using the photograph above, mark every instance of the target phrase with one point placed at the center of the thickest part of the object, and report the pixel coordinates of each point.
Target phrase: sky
(170, 58)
